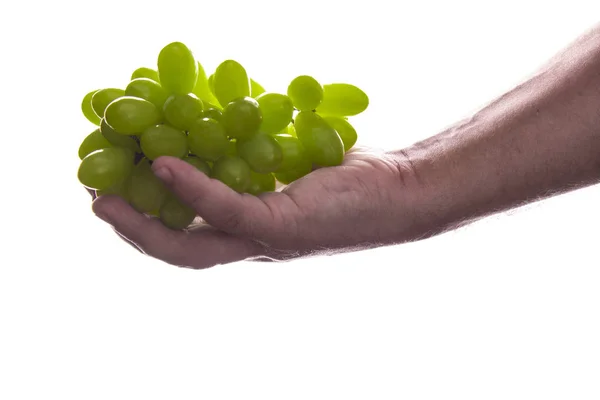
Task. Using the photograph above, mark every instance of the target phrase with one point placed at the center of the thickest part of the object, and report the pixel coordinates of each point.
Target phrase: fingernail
(164, 174)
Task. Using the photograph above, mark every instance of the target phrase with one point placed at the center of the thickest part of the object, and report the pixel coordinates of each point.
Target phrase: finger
(94, 197)
(129, 242)
(200, 249)
(219, 205)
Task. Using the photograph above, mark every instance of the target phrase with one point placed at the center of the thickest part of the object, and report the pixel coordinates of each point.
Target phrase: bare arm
(540, 139)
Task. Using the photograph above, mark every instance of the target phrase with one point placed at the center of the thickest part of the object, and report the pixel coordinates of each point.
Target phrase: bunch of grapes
(226, 125)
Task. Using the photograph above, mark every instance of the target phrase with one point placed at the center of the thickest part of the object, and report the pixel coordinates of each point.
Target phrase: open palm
(331, 209)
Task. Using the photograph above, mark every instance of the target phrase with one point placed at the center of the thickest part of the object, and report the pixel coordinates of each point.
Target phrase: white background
(507, 308)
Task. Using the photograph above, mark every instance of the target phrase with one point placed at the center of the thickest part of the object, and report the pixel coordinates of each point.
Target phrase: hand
(360, 204)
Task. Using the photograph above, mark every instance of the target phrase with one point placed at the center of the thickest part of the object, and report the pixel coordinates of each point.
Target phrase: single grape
(207, 139)
(131, 115)
(144, 72)
(232, 171)
(202, 88)
(88, 110)
(230, 82)
(211, 85)
(277, 111)
(212, 113)
(344, 129)
(255, 89)
(216, 106)
(261, 183)
(292, 150)
(153, 213)
(147, 89)
(289, 176)
(177, 68)
(342, 100)
(116, 139)
(163, 140)
(262, 153)
(145, 191)
(92, 142)
(242, 118)
(306, 93)
(232, 148)
(120, 189)
(105, 167)
(174, 214)
(200, 165)
(289, 130)
(322, 142)
(103, 97)
(182, 110)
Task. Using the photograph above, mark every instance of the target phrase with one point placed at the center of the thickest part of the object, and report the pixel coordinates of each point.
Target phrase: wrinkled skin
(360, 204)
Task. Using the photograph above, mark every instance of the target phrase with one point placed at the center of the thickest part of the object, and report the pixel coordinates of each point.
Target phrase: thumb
(215, 202)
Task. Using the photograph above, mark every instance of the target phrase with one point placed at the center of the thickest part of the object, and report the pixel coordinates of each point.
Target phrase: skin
(538, 140)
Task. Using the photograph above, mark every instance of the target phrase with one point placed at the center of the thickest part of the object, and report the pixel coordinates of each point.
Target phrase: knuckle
(232, 221)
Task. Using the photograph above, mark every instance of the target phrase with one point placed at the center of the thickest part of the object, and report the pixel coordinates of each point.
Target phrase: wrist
(453, 179)
(423, 202)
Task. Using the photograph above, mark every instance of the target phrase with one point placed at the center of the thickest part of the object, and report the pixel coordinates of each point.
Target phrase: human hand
(360, 204)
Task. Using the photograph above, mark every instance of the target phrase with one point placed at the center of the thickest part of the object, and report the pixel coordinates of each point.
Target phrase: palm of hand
(331, 208)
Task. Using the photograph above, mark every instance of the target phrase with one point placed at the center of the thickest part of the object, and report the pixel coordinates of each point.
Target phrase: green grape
(215, 106)
(289, 176)
(289, 130)
(242, 118)
(176, 215)
(322, 142)
(92, 142)
(131, 115)
(207, 139)
(163, 140)
(292, 151)
(261, 183)
(344, 129)
(232, 171)
(177, 68)
(144, 72)
(116, 139)
(200, 165)
(306, 93)
(88, 110)
(342, 100)
(230, 82)
(202, 88)
(182, 110)
(292, 130)
(211, 84)
(262, 153)
(105, 168)
(103, 97)
(255, 89)
(120, 189)
(153, 213)
(145, 190)
(232, 148)
(147, 89)
(277, 111)
(212, 113)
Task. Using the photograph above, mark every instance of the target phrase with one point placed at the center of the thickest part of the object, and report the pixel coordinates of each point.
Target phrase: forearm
(540, 139)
